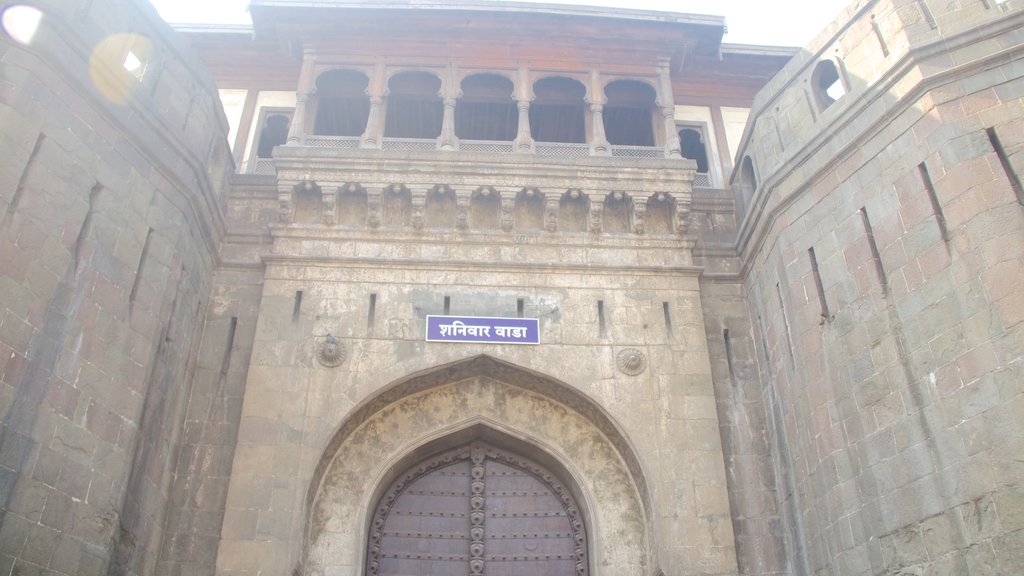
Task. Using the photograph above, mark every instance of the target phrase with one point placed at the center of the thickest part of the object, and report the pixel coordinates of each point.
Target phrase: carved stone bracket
(682, 214)
(508, 205)
(329, 193)
(639, 211)
(596, 223)
(374, 200)
(462, 198)
(419, 204)
(551, 204)
(285, 204)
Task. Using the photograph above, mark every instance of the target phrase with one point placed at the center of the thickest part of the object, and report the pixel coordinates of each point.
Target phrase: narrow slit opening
(819, 286)
(1004, 160)
(447, 305)
(297, 309)
(138, 271)
(668, 319)
(729, 360)
(602, 324)
(929, 187)
(876, 256)
(370, 313)
(225, 364)
(520, 307)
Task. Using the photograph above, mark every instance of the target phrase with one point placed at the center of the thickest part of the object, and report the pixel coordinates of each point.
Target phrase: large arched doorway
(477, 509)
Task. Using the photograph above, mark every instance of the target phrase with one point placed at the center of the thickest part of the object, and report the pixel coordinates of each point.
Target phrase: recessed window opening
(274, 133)
(691, 143)
(342, 105)
(486, 110)
(827, 84)
(414, 107)
(748, 183)
(629, 113)
(557, 111)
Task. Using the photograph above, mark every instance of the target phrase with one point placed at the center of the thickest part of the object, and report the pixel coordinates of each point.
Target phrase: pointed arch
(537, 416)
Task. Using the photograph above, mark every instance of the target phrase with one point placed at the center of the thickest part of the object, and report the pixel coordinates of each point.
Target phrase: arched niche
(414, 107)
(573, 211)
(342, 105)
(479, 399)
(396, 207)
(629, 113)
(485, 210)
(440, 209)
(616, 217)
(352, 205)
(529, 210)
(308, 202)
(486, 110)
(557, 113)
(658, 218)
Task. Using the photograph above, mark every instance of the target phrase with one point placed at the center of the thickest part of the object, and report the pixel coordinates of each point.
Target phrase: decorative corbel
(639, 212)
(551, 203)
(682, 214)
(508, 208)
(462, 198)
(329, 194)
(419, 204)
(285, 200)
(374, 200)
(596, 214)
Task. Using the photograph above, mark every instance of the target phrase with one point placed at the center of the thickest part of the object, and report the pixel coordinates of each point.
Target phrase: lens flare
(21, 22)
(118, 65)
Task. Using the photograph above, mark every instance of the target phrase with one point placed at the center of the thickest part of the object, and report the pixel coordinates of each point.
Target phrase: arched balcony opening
(274, 133)
(691, 145)
(342, 104)
(557, 113)
(629, 113)
(486, 110)
(414, 106)
(827, 84)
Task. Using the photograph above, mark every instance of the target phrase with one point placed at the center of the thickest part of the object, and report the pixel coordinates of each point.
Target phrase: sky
(779, 23)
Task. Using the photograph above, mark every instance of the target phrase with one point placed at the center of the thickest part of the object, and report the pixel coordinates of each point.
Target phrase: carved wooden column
(668, 110)
(508, 208)
(377, 91)
(639, 213)
(374, 201)
(303, 92)
(419, 205)
(596, 222)
(450, 93)
(598, 142)
(523, 95)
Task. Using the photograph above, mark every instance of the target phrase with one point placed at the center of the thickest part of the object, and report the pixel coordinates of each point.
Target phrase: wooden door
(477, 510)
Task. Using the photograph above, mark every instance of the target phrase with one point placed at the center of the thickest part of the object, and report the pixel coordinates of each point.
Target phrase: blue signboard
(483, 329)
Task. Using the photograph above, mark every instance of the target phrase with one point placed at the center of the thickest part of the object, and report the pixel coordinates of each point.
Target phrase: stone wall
(882, 264)
(114, 167)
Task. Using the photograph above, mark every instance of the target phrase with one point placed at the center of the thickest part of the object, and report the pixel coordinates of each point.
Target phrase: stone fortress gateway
(778, 295)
